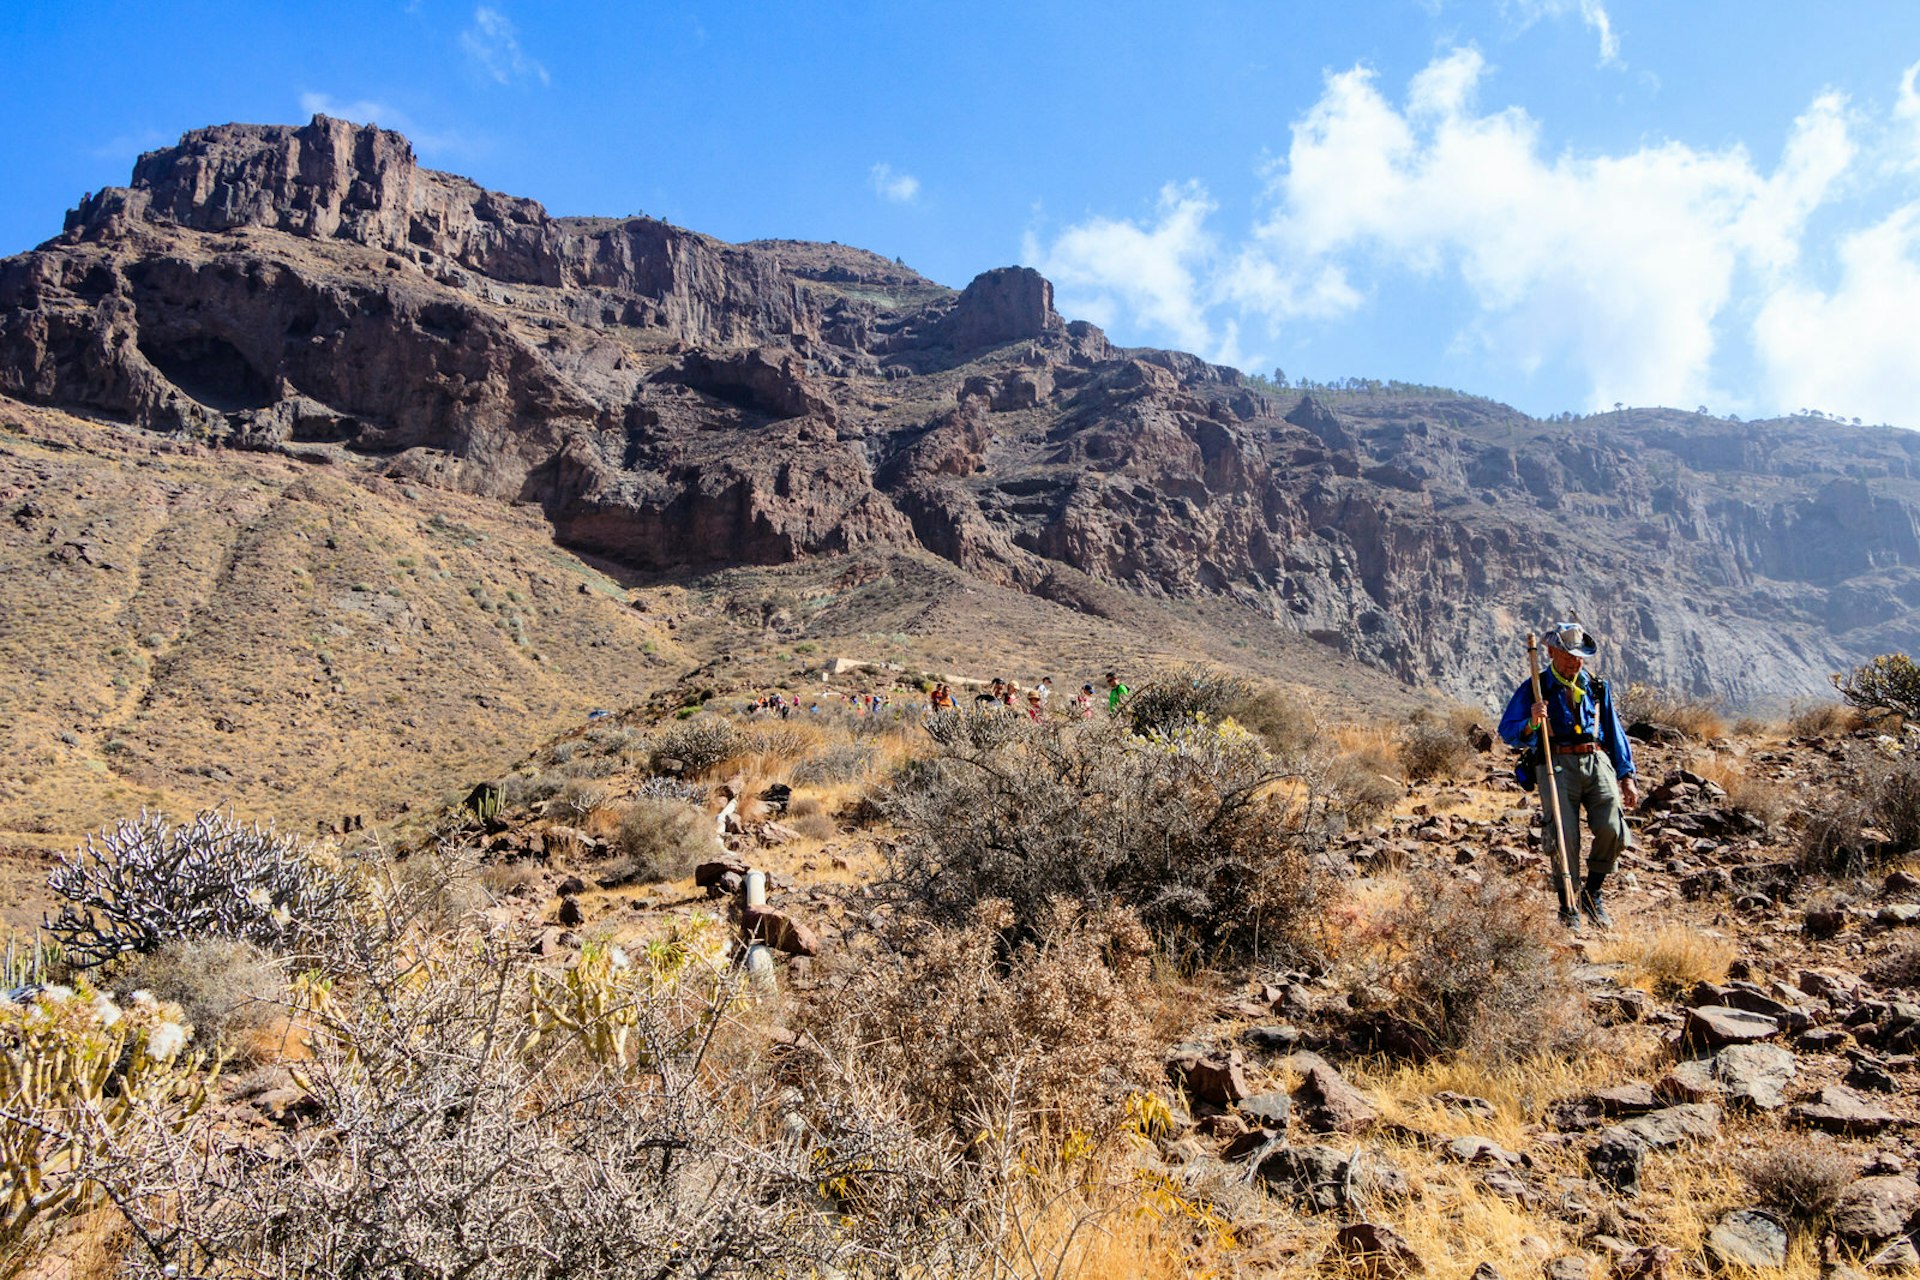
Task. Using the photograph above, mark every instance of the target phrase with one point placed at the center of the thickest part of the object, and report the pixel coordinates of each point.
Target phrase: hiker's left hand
(1629, 793)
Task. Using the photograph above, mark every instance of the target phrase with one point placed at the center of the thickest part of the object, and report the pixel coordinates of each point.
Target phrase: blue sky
(1559, 203)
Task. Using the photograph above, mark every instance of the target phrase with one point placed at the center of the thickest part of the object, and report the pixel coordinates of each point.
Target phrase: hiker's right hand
(1540, 711)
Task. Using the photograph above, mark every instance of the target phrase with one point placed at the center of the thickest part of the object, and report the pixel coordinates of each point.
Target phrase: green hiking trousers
(1586, 784)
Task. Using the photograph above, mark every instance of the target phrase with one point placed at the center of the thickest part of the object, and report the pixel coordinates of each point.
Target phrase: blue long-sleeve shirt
(1597, 719)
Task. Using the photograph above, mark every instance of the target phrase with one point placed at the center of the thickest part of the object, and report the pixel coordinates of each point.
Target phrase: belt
(1575, 748)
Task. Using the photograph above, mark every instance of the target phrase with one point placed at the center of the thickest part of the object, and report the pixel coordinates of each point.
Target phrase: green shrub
(698, 742)
(1890, 681)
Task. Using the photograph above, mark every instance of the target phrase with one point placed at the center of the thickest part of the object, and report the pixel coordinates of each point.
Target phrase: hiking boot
(1570, 918)
(1596, 909)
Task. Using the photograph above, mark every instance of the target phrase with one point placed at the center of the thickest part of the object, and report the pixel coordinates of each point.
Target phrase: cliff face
(671, 400)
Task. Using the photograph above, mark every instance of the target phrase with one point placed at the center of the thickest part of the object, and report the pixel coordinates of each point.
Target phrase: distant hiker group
(1036, 701)
(999, 694)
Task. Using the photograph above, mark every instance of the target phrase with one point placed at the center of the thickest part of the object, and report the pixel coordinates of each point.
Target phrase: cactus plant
(147, 882)
(81, 1076)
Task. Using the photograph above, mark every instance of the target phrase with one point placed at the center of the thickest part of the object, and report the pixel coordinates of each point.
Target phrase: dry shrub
(1362, 783)
(1822, 719)
(1282, 720)
(477, 1114)
(1201, 832)
(146, 882)
(1047, 1035)
(1899, 968)
(507, 879)
(580, 799)
(780, 740)
(1433, 749)
(659, 840)
(229, 991)
(1801, 1177)
(1695, 717)
(1855, 823)
(1168, 701)
(840, 763)
(1755, 796)
(814, 826)
(1668, 961)
(1472, 969)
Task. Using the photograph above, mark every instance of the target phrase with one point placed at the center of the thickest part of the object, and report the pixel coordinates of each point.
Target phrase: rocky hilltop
(673, 401)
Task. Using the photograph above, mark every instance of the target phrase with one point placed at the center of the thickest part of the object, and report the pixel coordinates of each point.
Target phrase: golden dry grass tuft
(1668, 960)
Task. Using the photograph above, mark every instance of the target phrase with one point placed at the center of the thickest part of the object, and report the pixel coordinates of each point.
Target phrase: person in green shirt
(1116, 693)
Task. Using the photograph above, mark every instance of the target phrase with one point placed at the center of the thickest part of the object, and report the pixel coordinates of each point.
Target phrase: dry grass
(1519, 1091)
(1695, 717)
(1822, 719)
(301, 642)
(1669, 960)
(1761, 797)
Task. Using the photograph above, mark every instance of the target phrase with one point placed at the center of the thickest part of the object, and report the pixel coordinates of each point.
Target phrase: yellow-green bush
(82, 1079)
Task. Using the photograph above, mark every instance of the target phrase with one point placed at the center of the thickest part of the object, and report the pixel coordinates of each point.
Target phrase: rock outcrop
(671, 400)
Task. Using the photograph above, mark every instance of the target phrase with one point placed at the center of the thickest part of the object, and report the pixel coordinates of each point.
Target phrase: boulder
(1670, 1126)
(1272, 1038)
(1689, 1081)
(1466, 1102)
(1896, 1255)
(1650, 1262)
(1476, 1150)
(1838, 1109)
(1626, 1100)
(1269, 1110)
(1875, 1209)
(1568, 1266)
(1616, 1158)
(708, 874)
(1747, 1238)
(1218, 1078)
(1322, 1178)
(1327, 1103)
(780, 931)
(1374, 1249)
(1755, 1075)
(1716, 1026)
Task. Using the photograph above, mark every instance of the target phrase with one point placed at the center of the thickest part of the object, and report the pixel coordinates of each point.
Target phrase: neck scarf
(1575, 690)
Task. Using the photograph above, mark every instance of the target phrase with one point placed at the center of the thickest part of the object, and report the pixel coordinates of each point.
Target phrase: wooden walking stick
(1562, 883)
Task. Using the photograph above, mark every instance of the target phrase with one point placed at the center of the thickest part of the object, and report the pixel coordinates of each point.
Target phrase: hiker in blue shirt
(1592, 762)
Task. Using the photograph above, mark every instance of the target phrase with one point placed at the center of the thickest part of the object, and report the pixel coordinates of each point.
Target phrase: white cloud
(494, 45)
(1623, 266)
(1906, 121)
(1591, 12)
(1853, 349)
(1112, 271)
(126, 146)
(900, 188)
(368, 111)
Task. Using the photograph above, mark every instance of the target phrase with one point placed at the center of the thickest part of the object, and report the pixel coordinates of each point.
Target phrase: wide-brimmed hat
(1570, 637)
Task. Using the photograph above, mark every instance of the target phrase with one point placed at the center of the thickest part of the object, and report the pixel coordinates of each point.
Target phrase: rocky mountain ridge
(672, 401)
